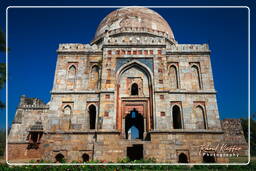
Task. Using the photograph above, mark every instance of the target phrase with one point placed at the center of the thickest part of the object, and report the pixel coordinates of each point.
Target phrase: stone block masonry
(132, 92)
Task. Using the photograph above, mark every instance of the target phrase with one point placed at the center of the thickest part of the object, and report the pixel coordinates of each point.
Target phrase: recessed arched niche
(134, 92)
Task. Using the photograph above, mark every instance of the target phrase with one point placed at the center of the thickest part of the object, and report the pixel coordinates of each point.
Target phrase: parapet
(76, 47)
(189, 48)
(31, 103)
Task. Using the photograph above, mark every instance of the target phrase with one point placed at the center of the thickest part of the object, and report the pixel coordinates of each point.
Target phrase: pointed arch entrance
(134, 93)
(134, 125)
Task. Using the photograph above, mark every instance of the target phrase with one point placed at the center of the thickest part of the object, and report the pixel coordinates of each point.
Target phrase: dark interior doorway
(176, 117)
(85, 157)
(59, 158)
(92, 116)
(135, 152)
(34, 140)
(34, 137)
(207, 158)
(134, 125)
(134, 89)
(183, 158)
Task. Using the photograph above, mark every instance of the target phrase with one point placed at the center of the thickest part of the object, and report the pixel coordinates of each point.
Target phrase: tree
(2, 83)
(2, 65)
(2, 41)
(2, 141)
(244, 123)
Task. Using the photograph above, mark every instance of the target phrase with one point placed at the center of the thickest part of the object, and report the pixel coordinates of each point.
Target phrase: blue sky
(34, 35)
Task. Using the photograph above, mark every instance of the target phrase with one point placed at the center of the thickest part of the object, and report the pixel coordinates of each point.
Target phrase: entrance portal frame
(142, 106)
(120, 101)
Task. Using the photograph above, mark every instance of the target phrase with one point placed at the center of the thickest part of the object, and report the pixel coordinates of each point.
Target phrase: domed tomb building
(132, 92)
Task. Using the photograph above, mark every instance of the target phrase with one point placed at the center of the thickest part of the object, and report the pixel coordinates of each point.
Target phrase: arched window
(207, 158)
(85, 157)
(92, 116)
(174, 77)
(176, 115)
(94, 78)
(196, 82)
(59, 158)
(183, 158)
(67, 110)
(134, 89)
(200, 118)
(72, 72)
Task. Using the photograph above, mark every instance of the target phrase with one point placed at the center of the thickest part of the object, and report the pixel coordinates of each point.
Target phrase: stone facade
(234, 135)
(133, 77)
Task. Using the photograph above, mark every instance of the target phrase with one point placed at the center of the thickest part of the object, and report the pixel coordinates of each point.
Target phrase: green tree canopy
(2, 141)
(2, 41)
(2, 65)
(244, 123)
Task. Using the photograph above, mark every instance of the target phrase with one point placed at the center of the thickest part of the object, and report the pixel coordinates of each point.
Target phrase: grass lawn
(250, 167)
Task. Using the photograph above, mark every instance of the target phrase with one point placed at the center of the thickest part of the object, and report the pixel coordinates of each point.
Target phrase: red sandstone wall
(20, 152)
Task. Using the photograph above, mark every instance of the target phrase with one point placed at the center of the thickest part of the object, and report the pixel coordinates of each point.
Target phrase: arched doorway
(92, 116)
(176, 116)
(85, 157)
(134, 125)
(183, 158)
(207, 158)
(59, 158)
